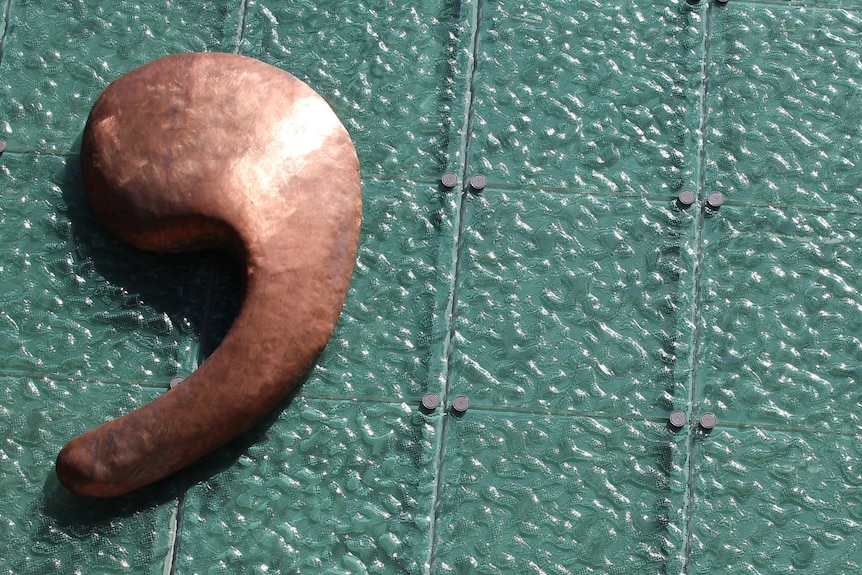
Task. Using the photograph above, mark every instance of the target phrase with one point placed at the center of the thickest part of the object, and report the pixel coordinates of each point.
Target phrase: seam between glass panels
(689, 479)
(449, 348)
(7, 16)
(242, 27)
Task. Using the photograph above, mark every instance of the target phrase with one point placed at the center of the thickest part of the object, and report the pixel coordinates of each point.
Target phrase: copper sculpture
(196, 151)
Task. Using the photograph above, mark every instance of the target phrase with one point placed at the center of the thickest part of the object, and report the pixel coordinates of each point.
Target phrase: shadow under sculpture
(202, 151)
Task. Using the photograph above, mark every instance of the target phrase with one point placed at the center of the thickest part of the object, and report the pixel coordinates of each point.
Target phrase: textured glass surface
(572, 300)
(575, 302)
(397, 310)
(551, 494)
(619, 89)
(43, 528)
(73, 301)
(784, 100)
(776, 502)
(59, 55)
(327, 487)
(781, 343)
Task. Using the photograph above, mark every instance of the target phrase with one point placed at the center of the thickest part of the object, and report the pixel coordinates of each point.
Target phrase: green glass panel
(43, 528)
(780, 316)
(395, 73)
(59, 56)
(602, 96)
(550, 494)
(390, 337)
(324, 487)
(777, 502)
(784, 100)
(575, 302)
(75, 302)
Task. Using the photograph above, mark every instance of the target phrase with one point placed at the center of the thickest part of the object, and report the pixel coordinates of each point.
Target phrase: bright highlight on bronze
(197, 151)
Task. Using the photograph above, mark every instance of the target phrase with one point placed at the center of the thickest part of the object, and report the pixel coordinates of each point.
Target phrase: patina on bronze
(196, 151)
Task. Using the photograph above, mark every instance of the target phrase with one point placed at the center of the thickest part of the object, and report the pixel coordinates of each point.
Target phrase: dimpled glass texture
(573, 301)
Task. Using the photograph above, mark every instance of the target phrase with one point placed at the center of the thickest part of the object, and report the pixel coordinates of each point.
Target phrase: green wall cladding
(573, 301)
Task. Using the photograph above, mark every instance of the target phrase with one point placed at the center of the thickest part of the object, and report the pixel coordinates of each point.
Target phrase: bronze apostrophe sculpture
(196, 151)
